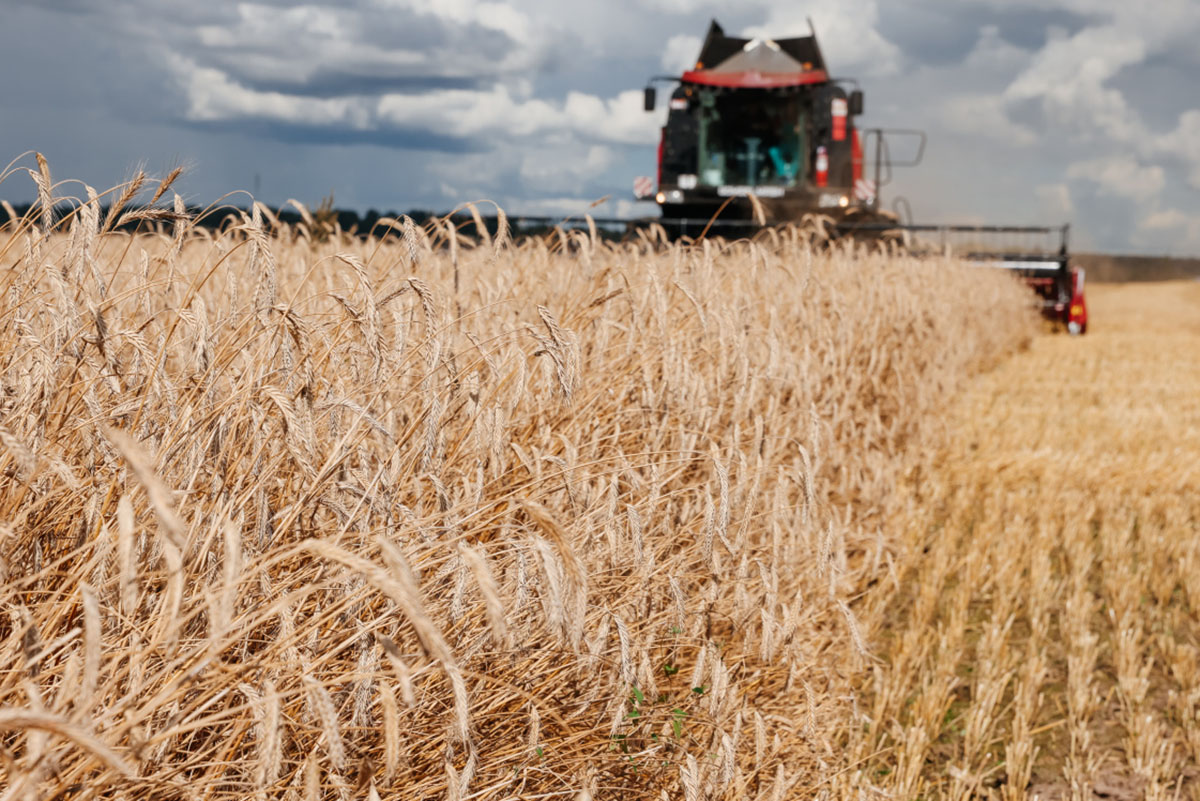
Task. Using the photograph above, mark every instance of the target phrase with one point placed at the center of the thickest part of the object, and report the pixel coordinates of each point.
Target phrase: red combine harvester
(763, 119)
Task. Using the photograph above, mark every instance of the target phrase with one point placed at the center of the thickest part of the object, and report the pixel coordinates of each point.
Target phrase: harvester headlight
(844, 201)
(660, 198)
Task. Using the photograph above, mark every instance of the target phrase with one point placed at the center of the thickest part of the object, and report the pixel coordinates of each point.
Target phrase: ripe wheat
(286, 512)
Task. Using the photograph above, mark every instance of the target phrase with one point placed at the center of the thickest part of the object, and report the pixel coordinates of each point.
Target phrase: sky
(1037, 111)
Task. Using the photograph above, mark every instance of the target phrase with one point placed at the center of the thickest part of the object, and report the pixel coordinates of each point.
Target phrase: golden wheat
(286, 512)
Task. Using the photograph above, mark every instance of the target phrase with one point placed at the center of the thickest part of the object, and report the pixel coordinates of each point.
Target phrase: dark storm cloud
(334, 83)
(929, 33)
(417, 139)
(300, 57)
(938, 33)
(63, 6)
(321, 49)
(1156, 90)
(169, 11)
(1029, 28)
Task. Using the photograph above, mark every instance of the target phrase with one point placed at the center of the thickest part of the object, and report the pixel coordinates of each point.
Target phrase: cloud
(1082, 94)
(680, 53)
(306, 48)
(985, 116)
(993, 53)
(563, 206)
(1183, 229)
(1165, 220)
(680, 7)
(1055, 200)
(846, 29)
(1069, 77)
(565, 169)
(212, 96)
(1121, 176)
(619, 119)
(1184, 143)
(468, 112)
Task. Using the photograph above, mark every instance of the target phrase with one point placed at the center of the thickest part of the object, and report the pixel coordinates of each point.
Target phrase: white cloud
(499, 16)
(561, 206)
(1170, 225)
(685, 6)
(1055, 201)
(1184, 143)
(1069, 93)
(619, 119)
(563, 169)
(260, 43)
(680, 53)
(1121, 176)
(1162, 21)
(1069, 77)
(565, 205)
(290, 46)
(1164, 220)
(213, 96)
(992, 53)
(467, 112)
(984, 115)
(846, 29)
(626, 208)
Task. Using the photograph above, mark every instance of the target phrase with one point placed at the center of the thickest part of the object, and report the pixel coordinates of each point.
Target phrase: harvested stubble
(424, 519)
(1042, 639)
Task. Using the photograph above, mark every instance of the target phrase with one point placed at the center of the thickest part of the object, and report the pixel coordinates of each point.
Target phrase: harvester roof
(757, 63)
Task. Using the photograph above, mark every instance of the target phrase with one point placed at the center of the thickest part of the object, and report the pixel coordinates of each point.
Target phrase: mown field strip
(1039, 637)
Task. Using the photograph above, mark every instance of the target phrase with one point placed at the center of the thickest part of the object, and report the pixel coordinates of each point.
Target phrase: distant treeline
(328, 219)
(214, 218)
(1120, 269)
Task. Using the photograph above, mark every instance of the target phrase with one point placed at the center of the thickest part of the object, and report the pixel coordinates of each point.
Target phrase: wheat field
(287, 512)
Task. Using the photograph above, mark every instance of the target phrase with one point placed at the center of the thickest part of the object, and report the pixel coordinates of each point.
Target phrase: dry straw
(609, 533)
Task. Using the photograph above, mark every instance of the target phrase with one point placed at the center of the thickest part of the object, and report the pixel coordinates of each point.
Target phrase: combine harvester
(758, 133)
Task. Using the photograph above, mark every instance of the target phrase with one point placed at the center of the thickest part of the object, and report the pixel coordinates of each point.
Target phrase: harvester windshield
(750, 138)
